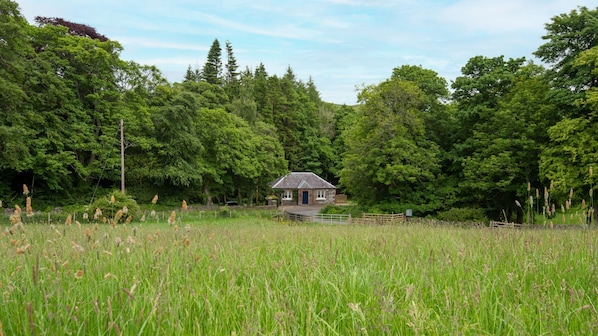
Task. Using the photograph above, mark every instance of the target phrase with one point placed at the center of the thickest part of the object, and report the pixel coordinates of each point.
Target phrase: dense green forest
(505, 129)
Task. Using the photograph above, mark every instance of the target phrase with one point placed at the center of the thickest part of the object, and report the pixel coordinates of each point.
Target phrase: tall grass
(247, 276)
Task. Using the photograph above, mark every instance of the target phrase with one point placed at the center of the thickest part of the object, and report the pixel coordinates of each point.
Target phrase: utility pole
(122, 156)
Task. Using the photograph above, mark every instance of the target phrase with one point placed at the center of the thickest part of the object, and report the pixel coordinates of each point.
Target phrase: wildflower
(153, 214)
(68, 221)
(25, 190)
(155, 199)
(184, 207)
(112, 200)
(130, 240)
(143, 218)
(125, 210)
(118, 241)
(79, 274)
(85, 216)
(187, 228)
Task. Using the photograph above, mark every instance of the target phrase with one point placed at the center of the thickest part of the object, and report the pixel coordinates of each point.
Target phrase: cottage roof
(301, 180)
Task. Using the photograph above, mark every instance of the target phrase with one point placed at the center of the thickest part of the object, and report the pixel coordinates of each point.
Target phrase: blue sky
(341, 44)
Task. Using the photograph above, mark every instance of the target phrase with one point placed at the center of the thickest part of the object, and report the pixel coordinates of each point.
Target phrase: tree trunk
(206, 192)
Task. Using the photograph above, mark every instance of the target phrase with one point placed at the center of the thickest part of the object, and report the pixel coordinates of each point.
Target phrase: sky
(340, 44)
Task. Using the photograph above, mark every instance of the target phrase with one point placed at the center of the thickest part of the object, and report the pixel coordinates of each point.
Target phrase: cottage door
(305, 198)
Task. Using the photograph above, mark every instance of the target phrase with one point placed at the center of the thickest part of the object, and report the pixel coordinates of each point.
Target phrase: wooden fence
(504, 225)
(379, 219)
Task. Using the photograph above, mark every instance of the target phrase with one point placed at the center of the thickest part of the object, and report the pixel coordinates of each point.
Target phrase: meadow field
(256, 276)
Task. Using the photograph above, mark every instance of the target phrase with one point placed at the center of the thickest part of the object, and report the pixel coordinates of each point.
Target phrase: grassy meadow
(255, 276)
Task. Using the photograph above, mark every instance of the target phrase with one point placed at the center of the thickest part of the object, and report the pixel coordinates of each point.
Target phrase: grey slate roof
(301, 180)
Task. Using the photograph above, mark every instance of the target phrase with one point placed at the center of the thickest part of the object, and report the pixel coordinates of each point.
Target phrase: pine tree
(232, 75)
(212, 70)
(192, 75)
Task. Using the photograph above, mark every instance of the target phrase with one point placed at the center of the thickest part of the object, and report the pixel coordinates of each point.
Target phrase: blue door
(305, 197)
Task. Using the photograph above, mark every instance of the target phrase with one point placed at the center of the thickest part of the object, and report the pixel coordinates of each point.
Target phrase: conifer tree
(212, 70)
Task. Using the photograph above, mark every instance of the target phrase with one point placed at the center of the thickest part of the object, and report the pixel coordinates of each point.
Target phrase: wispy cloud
(340, 43)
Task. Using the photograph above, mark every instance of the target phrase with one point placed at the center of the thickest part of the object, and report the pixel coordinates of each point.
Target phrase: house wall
(312, 197)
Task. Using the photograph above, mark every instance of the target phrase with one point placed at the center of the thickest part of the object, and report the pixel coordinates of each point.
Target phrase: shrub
(463, 215)
(352, 210)
(110, 208)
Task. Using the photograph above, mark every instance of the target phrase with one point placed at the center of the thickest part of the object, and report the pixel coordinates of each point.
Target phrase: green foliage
(109, 208)
(567, 36)
(463, 215)
(212, 70)
(353, 210)
(387, 154)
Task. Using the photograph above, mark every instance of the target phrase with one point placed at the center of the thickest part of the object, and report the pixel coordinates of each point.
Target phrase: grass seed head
(25, 190)
(155, 199)
(28, 208)
(112, 200)
(184, 206)
(172, 218)
(97, 214)
(118, 215)
(69, 220)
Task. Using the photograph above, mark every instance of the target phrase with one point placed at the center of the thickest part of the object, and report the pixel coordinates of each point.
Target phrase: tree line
(223, 133)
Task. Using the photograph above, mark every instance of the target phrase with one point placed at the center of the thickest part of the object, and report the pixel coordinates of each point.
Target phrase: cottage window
(321, 195)
(288, 195)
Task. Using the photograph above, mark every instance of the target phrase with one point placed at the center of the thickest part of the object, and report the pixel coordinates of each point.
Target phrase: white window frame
(287, 195)
(320, 195)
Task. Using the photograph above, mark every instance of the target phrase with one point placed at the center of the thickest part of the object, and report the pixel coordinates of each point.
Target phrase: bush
(352, 210)
(110, 208)
(463, 215)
